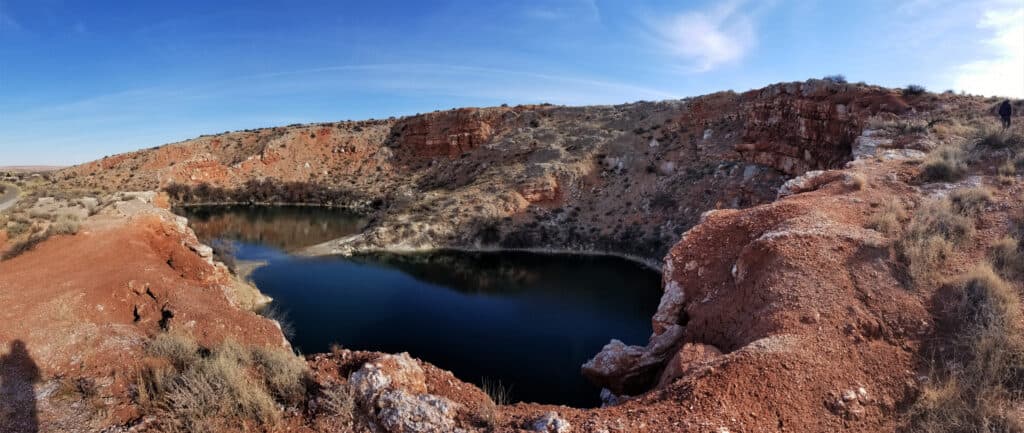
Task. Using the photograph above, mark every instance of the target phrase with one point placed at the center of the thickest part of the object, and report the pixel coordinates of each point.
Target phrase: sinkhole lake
(525, 320)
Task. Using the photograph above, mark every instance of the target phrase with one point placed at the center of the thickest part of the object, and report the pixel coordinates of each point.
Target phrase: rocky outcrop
(797, 127)
(393, 391)
(447, 133)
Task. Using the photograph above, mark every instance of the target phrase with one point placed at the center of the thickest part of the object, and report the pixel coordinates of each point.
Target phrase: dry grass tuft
(995, 137)
(230, 386)
(889, 217)
(1007, 257)
(970, 201)
(339, 401)
(284, 374)
(979, 382)
(930, 238)
(947, 163)
(856, 181)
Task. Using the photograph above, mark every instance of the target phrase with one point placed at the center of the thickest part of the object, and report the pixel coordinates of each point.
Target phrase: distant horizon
(121, 76)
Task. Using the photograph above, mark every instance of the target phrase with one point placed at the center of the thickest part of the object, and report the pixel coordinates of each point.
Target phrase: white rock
(551, 423)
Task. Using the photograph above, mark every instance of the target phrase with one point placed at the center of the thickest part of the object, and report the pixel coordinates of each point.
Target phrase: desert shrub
(930, 238)
(947, 163)
(890, 215)
(339, 401)
(1007, 257)
(998, 138)
(284, 374)
(970, 201)
(65, 225)
(280, 316)
(179, 350)
(914, 90)
(856, 181)
(17, 228)
(40, 214)
(206, 390)
(837, 78)
(1007, 169)
(978, 380)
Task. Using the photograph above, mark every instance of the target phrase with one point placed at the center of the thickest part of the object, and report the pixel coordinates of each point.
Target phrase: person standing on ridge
(1004, 112)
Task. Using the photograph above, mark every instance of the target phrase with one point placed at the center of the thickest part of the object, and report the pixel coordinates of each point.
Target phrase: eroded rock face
(448, 133)
(797, 127)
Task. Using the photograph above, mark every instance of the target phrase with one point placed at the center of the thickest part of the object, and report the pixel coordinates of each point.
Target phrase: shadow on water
(526, 320)
(18, 373)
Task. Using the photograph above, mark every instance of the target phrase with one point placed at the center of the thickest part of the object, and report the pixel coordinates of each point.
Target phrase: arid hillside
(835, 257)
(626, 179)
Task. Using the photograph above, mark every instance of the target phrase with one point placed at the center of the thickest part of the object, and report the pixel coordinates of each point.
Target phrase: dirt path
(9, 196)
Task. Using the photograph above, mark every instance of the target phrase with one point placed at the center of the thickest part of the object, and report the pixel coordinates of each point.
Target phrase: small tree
(837, 78)
(914, 90)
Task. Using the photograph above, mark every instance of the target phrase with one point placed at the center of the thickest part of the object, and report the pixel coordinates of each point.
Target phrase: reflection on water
(285, 227)
(527, 320)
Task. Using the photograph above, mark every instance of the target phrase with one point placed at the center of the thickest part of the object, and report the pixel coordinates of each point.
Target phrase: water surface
(527, 320)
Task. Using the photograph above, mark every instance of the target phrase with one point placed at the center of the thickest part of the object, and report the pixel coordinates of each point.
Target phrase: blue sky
(84, 79)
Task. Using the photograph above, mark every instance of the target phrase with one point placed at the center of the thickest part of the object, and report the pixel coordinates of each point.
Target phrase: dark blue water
(526, 320)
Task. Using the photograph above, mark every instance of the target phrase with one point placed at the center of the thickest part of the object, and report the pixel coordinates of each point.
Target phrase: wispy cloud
(586, 10)
(1002, 72)
(707, 39)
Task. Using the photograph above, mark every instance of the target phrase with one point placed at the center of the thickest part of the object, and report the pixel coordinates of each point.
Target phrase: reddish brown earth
(625, 179)
(779, 314)
(83, 306)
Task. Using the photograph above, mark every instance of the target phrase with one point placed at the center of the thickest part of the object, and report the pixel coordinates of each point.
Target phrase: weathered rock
(690, 356)
(402, 412)
(631, 370)
(393, 391)
(551, 422)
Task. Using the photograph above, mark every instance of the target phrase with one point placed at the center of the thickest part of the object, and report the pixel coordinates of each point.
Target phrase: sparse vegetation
(978, 380)
(265, 191)
(948, 163)
(498, 392)
(278, 315)
(890, 215)
(196, 389)
(338, 400)
(998, 138)
(1007, 257)
(970, 201)
(837, 78)
(914, 90)
(929, 239)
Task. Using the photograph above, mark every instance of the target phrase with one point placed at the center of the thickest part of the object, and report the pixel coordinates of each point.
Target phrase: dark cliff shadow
(18, 373)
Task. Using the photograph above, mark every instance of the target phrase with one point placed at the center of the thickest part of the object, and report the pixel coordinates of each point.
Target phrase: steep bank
(82, 307)
(625, 179)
